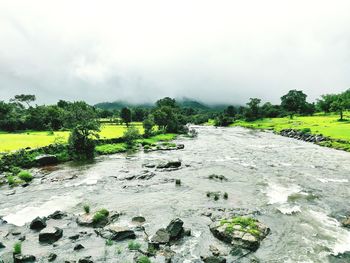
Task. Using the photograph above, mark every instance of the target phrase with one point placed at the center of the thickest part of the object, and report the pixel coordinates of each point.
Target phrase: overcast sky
(214, 51)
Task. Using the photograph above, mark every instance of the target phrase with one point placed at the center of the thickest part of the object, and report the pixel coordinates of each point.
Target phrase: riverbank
(335, 133)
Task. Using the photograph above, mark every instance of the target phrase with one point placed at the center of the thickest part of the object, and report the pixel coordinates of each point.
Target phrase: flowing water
(298, 189)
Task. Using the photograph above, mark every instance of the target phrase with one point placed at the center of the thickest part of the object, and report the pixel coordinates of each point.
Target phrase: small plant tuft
(17, 248)
(225, 195)
(178, 182)
(109, 242)
(86, 209)
(134, 245)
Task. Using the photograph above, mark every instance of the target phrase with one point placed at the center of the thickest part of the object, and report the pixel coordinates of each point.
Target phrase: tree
(293, 102)
(341, 103)
(270, 111)
(125, 115)
(82, 140)
(148, 125)
(166, 102)
(231, 111)
(325, 103)
(24, 98)
(252, 112)
(139, 114)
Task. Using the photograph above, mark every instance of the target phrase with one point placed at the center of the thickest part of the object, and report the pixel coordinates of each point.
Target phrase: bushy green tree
(341, 103)
(82, 140)
(293, 102)
(252, 112)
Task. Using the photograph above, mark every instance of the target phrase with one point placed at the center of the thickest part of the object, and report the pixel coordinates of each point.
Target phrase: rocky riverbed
(229, 195)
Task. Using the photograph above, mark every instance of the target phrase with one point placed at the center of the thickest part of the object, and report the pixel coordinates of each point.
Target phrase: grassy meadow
(34, 139)
(327, 125)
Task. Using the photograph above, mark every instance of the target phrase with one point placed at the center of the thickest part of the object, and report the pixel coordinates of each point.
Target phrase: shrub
(134, 245)
(86, 209)
(104, 212)
(131, 135)
(306, 130)
(11, 180)
(25, 176)
(111, 148)
(17, 248)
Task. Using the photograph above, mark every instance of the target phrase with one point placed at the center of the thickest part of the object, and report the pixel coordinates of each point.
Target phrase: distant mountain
(182, 102)
(118, 105)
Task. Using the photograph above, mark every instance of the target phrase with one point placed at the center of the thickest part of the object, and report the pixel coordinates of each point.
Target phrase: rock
(180, 146)
(213, 259)
(162, 236)
(22, 238)
(85, 260)
(85, 220)
(116, 232)
(50, 235)
(51, 257)
(74, 237)
(214, 250)
(145, 175)
(138, 219)
(57, 215)
(19, 258)
(46, 159)
(175, 229)
(78, 247)
(169, 164)
(2, 245)
(38, 223)
(240, 235)
(346, 222)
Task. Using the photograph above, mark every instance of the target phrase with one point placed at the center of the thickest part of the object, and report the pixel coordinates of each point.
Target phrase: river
(298, 189)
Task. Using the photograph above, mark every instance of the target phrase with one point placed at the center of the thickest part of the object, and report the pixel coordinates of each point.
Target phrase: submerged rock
(78, 247)
(19, 258)
(2, 245)
(116, 232)
(169, 164)
(240, 232)
(138, 220)
(86, 260)
(214, 259)
(346, 222)
(57, 215)
(50, 235)
(38, 223)
(51, 257)
(46, 159)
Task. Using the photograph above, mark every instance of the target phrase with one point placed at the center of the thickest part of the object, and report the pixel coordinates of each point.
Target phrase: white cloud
(217, 51)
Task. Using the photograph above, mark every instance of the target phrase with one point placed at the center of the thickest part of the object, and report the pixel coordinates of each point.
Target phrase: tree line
(292, 103)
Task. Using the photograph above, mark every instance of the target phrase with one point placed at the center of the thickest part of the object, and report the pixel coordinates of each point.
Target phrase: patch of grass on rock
(241, 223)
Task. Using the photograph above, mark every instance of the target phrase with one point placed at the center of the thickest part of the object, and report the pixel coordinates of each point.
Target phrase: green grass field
(35, 139)
(327, 125)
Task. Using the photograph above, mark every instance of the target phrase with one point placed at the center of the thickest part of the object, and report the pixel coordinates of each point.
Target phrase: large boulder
(175, 229)
(240, 232)
(116, 232)
(46, 159)
(50, 235)
(38, 223)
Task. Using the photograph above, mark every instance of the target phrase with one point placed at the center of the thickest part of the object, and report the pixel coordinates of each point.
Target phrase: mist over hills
(182, 102)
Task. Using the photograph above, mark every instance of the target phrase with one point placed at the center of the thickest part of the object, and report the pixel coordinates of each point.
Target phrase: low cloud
(214, 51)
